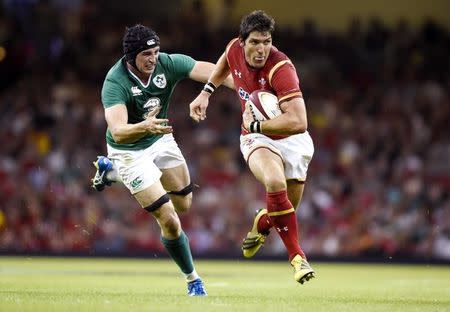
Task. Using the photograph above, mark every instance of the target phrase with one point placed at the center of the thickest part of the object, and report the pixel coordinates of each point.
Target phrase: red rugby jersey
(278, 75)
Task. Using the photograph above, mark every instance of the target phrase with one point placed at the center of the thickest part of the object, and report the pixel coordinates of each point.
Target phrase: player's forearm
(293, 120)
(129, 133)
(203, 71)
(221, 74)
(285, 124)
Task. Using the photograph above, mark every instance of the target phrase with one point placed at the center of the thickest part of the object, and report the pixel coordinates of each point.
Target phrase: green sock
(180, 252)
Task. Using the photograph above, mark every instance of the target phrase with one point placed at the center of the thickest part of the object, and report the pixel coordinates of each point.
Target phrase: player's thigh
(150, 194)
(175, 180)
(268, 168)
(136, 168)
(295, 191)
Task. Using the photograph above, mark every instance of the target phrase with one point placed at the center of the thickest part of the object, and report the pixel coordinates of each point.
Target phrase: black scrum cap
(137, 39)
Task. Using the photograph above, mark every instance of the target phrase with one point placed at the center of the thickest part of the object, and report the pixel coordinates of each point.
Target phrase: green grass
(70, 284)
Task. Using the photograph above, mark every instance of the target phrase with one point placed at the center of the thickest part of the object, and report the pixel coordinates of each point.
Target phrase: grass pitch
(87, 284)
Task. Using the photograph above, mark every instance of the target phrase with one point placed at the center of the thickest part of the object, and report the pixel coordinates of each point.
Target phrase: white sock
(191, 276)
(113, 175)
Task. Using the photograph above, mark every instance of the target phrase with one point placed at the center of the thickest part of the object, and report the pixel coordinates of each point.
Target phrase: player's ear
(241, 42)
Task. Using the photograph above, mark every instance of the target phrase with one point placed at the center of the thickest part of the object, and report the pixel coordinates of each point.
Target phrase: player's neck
(141, 76)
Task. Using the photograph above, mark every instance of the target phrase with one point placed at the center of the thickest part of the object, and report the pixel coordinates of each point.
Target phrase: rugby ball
(264, 105)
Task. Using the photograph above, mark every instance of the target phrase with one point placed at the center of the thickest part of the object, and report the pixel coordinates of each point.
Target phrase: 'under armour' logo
(237, 73)
(285, 229)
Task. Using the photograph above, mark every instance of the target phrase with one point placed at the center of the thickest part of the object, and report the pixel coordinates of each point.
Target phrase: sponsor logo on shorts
(248, 142)
(136, 183)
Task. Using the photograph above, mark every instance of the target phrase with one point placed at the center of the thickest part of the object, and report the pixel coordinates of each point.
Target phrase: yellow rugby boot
(302, 270)
(254, 240)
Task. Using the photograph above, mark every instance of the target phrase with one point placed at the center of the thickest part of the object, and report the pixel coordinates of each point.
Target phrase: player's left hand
(247, 116)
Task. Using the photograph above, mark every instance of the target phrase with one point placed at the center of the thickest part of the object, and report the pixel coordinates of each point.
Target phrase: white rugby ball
(264, 105)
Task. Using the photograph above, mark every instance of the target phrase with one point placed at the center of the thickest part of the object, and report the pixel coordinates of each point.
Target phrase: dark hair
(137, 39)
(256, 21)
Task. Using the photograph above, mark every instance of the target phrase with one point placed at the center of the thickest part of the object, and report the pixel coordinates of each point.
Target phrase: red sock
(264, 224)
(285, 224)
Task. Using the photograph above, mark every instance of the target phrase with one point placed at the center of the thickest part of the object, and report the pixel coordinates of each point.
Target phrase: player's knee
(182, 199)
(274, 183)
(182, 204)
(170, 225)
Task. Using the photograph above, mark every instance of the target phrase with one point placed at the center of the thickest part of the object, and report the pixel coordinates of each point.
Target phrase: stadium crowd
(378, 101)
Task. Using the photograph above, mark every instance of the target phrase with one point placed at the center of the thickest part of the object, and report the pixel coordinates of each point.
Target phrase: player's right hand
(197, 108)
(155, 125)
(247, 117)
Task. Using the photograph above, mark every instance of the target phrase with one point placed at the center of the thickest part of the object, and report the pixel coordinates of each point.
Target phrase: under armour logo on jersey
(160, 81)
(262, 81)
(237, 73)
(285, 229)
(136, 91)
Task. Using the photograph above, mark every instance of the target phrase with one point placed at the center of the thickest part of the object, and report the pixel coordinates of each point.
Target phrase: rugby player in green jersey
(142, 152)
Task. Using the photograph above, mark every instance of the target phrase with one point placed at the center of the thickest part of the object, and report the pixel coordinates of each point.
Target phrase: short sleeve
(285, 82)
(113, 93)
(182, 65)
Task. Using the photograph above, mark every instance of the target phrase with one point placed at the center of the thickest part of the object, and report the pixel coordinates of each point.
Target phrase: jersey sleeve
(285, 82)
(181, 65)
(113, 93)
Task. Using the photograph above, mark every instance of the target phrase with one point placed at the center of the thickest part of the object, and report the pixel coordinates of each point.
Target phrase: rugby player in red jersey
(277, 151)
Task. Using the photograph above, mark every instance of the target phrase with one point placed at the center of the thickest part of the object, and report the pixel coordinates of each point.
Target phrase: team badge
(160, 81)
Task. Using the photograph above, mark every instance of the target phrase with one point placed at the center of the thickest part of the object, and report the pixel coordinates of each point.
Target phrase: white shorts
(138, 169)
(296, 151)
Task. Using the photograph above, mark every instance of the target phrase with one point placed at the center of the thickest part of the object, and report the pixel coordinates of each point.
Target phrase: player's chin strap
(187, 190)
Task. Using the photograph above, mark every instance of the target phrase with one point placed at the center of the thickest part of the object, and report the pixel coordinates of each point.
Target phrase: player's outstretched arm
(219, 75)
(123, 132)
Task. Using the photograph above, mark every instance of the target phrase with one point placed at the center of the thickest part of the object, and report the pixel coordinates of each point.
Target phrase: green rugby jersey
(123, 87)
